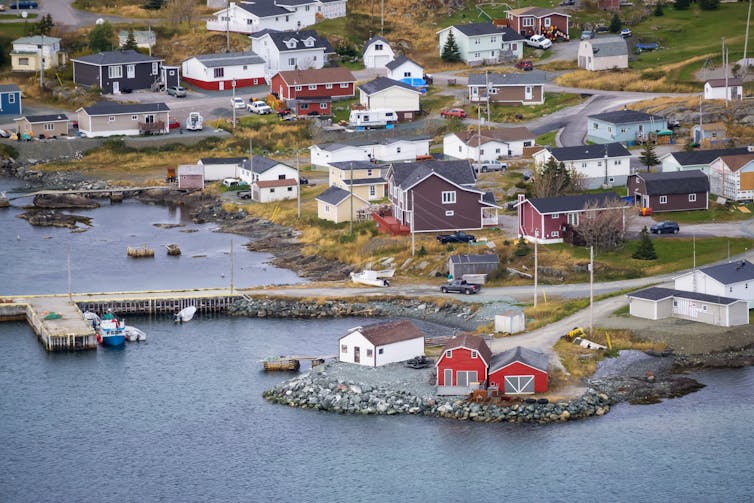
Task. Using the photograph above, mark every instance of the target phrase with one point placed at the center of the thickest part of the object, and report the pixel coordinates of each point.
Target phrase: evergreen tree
(450, 51)
(102, 37)
(681, 4)
(648, 155)
(615, 24)
(658, 9)
(645, 250)
(154, 4)
(709, 4)
(130, 41)
(45, 25)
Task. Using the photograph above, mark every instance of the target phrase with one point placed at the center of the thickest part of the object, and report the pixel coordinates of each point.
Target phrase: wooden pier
(58, 320)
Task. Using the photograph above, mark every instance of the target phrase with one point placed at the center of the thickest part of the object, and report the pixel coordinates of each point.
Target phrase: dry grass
(624, 80)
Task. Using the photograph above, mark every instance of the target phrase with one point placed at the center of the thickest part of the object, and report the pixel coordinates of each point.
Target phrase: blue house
(625, 126)
(10, 99)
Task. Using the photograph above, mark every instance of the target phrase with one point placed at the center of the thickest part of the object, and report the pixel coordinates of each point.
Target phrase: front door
(528, 93)
(116, 87)
(356, 354)
(447, 377)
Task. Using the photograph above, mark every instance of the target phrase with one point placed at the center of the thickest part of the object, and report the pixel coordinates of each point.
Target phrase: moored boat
(372, 278)
(111, 332)
(134, 334)
(185, 315)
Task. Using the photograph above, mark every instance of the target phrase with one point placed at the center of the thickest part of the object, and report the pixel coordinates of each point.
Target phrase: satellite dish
(99, 21)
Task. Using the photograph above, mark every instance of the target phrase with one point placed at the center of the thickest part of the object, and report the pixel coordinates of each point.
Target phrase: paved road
(63, 13)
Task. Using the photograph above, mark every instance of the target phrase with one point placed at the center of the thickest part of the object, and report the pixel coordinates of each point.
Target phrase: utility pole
(536, 266)
(350, 220)
(413, 239)
(746, 38)
(487, 85)
(231, 267)
(298, 189)
(693, 266)
(42, 63)
(591, 289)
(382, 20)
(233, 83)
(227, 26)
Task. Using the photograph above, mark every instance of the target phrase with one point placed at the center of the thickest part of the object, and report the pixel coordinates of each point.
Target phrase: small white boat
(134, 334)
(185, 315)
(372, 278)
(385, 273)
(92, 318)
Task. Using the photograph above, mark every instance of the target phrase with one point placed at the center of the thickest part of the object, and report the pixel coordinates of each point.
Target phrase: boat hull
(113, 339)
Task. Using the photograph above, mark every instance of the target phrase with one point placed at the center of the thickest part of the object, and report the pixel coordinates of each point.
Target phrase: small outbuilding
(43, 126)
(519, 371)
(603, 53)
(656, 303)
(724, 89)
(730, 279)
(377, 53)
(671, 191)
(511, 322)
(463, 365)
(190, 176)
(460, 265)
(381, 343)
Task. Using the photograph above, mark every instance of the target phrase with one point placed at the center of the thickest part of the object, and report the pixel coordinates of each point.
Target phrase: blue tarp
(418, 84)
(650, 46)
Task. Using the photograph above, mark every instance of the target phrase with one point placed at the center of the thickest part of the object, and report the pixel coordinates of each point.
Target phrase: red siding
(228, 84)
(431, 212)
(460, 359)
(559, 21)
(314, 106)
(287, 92)
(517, 368)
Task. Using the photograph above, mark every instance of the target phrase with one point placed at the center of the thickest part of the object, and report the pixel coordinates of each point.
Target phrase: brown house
(530, 21)
(671, 191)
(332, 82)
(433, 196)
(507, 89)
(43, 126)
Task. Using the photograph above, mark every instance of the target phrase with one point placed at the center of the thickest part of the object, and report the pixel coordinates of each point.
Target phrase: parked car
(460, 286)
(237, 103)
(587, 34)
(525, 65)
(244, 194)
(454, 112)
(231, 182)
(625, 32)
(303, 180)
(539, 41)
(565, 3)
(458, 237)
(259, 107)
(484, 167)
(666, 227)
(24, 5)
(177, 91)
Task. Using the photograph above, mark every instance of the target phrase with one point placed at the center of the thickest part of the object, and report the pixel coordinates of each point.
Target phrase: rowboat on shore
(373, 278)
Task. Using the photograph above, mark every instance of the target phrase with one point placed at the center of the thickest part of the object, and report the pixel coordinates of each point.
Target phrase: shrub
(422, 251)
(645, 250)
(522, 248)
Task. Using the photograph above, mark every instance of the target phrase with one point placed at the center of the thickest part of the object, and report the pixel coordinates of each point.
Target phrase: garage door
(519, 384)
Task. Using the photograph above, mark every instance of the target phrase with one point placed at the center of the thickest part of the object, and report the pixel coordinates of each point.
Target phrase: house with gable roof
(434, 196)
(117, 71)
(381, 343)
(330, 83)
(218, 72)
(530, 21)
(386, 93)
(732, 177)
(656, 303)
(603, 53)
(113, 119)
(624, 126)
(43, 126)
(335, 204)
(463, 365)
(290, 50)
(404, 68)
(270, 180)
(377, 53)
(250, 17)
(721, 89)
(507, 89)
(387, 150)
(218, 168)
(696, 159)
(26, 53)
(362, 178)
(671, 191)
(599, 165)
(10, 99)
(732, 279)
(483, 42)
(492, 144)
(519, 371)
(548, 220)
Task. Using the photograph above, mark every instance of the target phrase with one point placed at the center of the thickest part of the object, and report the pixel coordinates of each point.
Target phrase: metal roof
(328, 75)
(222, 160)
(659, 293)
(9, 88)
(382, 83)
(502, 134)
(333, 195)
(46, 118)
(399, 61)
(729, 273)
(561, 204)
(228, 59)
(535, 77)
(116, 57)
(698, 157)
(675, 182)
(485, 258)
(110, 108)
(381, 334)
(470, 341)
(527, 356)
(604, 47)
(721, 82)
(584, 152)
(407, 174)
(260, 164)
(626, 117)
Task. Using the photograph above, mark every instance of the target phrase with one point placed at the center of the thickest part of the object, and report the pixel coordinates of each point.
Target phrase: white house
(493, 144)
(715, 89)
(283, 51)
(250, 17)
(483, 42)
(382, 343)
(218, 168)
(608, 164)
(732, 279)
(404, 68)
(656, 303)
(696, 159)
(732, 177)
(386, 93)
(270, 180)
(377, 53)
(218, 72)
(331, 9)
(603, 53)
(27, 51)
(387, 150)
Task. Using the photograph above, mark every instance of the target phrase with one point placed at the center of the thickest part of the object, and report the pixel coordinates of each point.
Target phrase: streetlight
(233, 101)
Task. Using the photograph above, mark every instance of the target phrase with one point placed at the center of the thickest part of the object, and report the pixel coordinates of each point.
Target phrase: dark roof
(485, 258)
(382, 83)
(263, 9)
(333, 195)
(604, 47)
(581, 152)
(280, 39)
(675, 182)
(223, 160)
(476, 29)
(489, 198)
(9, 88)
(46, 118)
(626, 117)
(560, 204)
(535, 77)
(381, 334)
(471, 341)
(116, 57)
(229, 59)
(110, 108)
(524, 355)
(721, 82)
(260, 163)
(729, 273)
(399, 61)
(659, 293)
(407, 174)
(696, 157)
(350, 165)
(364, 181)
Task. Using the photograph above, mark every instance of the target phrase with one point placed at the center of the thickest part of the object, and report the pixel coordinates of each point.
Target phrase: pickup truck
(484, 167)
(460, 286)
(458, 237)
(259, 107)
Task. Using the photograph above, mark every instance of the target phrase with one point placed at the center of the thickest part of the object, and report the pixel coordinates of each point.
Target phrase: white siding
(743, 290)
(351, 341)
(400, 351)
(415, 71)
(194, 69)
(374, 58)
(400, 150)
(213, 172)
(393, 98)
(395, 352)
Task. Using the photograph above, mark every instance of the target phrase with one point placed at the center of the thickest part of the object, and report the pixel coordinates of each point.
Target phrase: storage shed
(511, 322)
(460, 265)
(463, 365)
(190, 176)
(519, 371)
(382, 343)
(656, 303)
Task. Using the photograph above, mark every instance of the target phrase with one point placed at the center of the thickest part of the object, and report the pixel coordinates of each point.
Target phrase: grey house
(117, 71)
(460, 265)
(656, 303)
(508, 88)
(696, 159)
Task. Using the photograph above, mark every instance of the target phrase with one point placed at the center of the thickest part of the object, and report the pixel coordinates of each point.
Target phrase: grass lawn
(715, 213)
(12, 31)
(16, 16)
(553, 103)
(547, 138)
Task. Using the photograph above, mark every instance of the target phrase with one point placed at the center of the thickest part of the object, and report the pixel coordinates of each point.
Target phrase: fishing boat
(134, 334)
(185, 315)
(373, 278)
(111, 332)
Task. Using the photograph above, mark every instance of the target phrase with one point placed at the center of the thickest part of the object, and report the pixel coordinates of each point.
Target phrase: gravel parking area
(419, 382)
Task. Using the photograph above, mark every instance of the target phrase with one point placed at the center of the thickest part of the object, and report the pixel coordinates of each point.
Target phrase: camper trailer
(376, 118)
(194, 122)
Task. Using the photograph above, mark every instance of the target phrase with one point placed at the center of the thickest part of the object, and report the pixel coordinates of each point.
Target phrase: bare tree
(605, 229)
(181, 11)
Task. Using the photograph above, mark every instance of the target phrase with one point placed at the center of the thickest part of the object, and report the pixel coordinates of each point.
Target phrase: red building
(519, 371)
(530, 21)
(335, 82)
(317, 106)
(465, 360)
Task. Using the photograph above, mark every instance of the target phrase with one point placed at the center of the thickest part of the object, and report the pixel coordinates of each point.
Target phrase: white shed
(603, 53)
(390, 94)
(382, 343)
(511, 322)
(219, 168)
(404, 68)
(656, 303)
(377, 53)
(733, 279)
(720, 89)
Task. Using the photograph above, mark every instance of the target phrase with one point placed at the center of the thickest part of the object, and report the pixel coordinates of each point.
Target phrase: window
(675, 303)
(493, 39)
(343, 348)
(111, 118)
(291, 61)
(476, 55)
(381, 351)
(219, 73)
(609, 129)
(407, 74)
(663, 199)
(449, 197)
(312, 87)
(297, 88)
(155, 67)
(622, 130)
(49, 126)
(611, 179)
(481, 152)
(131, 71)
(344, 85)
(474, 354)
(450, 213)
(12, 98)
(527, 21)
(281, 177)
(272, 190)
(497, 150)
(134, 117)
(304, 106)
(115, 72)
(476, 41)
(704, 307)
(324, 106)
(23, 61)
(378, 47)
(449, 353)
(692, 198)
(617, 163)
(547, 22)
(369, 353)
(555, 215)
(573, 218)
(596, 126)
(328, 86)
(527, 144)
(397, 150)
(555, 234)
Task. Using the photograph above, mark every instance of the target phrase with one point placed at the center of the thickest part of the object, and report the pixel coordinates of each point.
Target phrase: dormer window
(378, 47)
(291, 44)
(309, 42)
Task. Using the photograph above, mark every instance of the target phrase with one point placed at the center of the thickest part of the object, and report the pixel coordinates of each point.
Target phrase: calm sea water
(181, 418)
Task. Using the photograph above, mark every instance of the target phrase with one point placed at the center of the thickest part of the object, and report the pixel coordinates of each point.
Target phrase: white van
(378, 117)
(231, 182)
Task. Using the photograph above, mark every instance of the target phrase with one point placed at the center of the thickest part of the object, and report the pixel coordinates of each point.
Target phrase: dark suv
(666, 227)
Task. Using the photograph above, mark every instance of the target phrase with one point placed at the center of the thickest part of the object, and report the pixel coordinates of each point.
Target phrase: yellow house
(365, 177)
(334, 204)
(27, 51)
